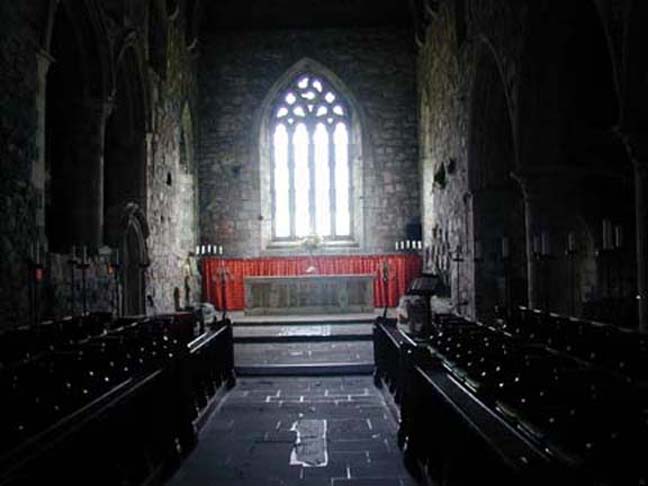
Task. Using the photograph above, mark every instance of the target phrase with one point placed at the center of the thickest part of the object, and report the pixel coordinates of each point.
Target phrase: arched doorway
(134, 232)
(125, 145)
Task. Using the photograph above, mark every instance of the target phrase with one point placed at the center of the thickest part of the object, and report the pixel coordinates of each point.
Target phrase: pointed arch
(158, 36)
(496, 204)
(90, 40)
(490, 98)
(359, 145)
(125, 141)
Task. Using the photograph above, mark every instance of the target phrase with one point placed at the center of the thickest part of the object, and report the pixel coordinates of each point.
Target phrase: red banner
(402, 269)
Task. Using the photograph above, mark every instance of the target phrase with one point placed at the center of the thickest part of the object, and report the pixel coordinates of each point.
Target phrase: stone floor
(346, 436)
(239, 317)
(242, 331)
(250, 354)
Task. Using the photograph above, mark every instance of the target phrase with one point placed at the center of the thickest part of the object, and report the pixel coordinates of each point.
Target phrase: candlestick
(571, 242)
(536, 245)
(607, 236)
(618, 236)
(546, 250)
(505, 247)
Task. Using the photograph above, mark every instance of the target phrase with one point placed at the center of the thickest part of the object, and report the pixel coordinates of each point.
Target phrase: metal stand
(571, 256)
(35, 278)
(72, 263)
(84, 293)
(116, 268)
(223, 274)
(385, 274)
(506, 262)
(458, 259)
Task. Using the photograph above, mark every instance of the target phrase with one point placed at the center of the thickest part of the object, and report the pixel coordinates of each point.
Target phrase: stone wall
(509, 119)
(18, 128)
(171, 185)
(170, 188)
(238, 70)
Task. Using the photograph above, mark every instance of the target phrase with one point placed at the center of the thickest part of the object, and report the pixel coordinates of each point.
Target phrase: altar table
(309, 294)
(403, 268)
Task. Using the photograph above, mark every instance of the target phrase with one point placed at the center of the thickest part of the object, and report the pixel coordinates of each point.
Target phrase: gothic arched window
(311, 173)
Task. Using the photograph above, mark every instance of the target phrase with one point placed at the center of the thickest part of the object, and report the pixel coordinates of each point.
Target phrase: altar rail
(117, 408)
(482, 404)
(403, 268)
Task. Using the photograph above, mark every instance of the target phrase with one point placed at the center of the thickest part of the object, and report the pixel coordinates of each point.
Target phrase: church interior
(297, 242)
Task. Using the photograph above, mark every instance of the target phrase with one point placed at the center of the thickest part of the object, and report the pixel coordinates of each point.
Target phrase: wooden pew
(483, 403)
(113, 409)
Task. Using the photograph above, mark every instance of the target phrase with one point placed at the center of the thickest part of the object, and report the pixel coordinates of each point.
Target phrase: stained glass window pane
(281, 182)
(322, 183)
(342, 181)
(302, 181)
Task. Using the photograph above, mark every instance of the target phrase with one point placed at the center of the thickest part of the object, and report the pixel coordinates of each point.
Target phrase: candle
(197, 252)
(571, 241)
(396, 246)
(220, 249)
(420, 245)
(536, 244)
(402, 245)
(505, 247)
(618, 236)
(607, 242)
(546, 250)
(202, 249)
(209, 249)
(407, 244)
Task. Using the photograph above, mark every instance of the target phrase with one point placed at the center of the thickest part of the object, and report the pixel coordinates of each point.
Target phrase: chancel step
(316, 369)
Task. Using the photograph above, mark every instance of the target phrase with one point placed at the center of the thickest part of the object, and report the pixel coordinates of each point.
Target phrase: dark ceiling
(308, 14)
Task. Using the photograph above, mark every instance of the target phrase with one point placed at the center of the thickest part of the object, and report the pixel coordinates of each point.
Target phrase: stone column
(43, 62)
(87, 125)
(637, 148)
(546, 208)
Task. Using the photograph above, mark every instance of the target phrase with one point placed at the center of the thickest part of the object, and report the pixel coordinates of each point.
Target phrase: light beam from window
(342, 210)
(323, 186)
(302, 181)
(281, 182)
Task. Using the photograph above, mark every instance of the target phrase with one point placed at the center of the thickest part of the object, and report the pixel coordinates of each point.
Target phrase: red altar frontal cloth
(403, 268)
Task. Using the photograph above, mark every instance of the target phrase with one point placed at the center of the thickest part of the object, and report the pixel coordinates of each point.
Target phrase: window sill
(294, 245)
(325, 248)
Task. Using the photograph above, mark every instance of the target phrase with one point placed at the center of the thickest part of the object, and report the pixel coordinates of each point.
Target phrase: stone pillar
(43, 62)
(88, 122)
(637, 148)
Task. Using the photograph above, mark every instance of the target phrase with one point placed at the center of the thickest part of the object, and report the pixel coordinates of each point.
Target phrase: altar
(224, 279)
(309, 294)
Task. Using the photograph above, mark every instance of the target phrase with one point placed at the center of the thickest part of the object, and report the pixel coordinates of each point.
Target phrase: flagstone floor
(289, 431)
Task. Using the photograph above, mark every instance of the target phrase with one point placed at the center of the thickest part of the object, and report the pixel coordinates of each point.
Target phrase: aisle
(347, 436)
